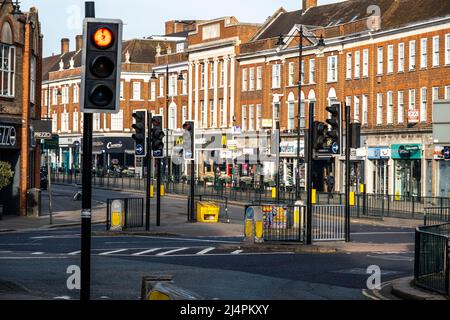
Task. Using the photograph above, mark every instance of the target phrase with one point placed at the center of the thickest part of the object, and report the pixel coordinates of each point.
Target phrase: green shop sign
(406, 151)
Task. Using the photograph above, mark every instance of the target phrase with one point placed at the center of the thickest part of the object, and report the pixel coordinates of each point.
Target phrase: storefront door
(408, 180)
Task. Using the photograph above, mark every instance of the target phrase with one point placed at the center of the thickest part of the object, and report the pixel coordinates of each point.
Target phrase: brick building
(21, 57)
(389, 64)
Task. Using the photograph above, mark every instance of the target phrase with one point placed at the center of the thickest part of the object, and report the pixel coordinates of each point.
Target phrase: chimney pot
(79, 42)
(65, 45)
(309, 4)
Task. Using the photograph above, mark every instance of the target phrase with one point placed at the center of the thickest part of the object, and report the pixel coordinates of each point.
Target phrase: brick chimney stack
(79, 42)
(309, 4)
(65, 45)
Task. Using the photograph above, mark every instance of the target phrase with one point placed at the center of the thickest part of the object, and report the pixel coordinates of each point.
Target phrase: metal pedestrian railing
(283, 223)
(131, 213)
(328, 223)
(432, 255)
(437, 215)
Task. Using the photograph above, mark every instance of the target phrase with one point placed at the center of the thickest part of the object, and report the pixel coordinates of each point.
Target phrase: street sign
(42, 129)
(52, 144)
(446, 153)
(140, 150)
(335, 148)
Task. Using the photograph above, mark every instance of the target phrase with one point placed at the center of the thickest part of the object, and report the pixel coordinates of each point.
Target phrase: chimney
(170, 27)
(65, 43)
(79, 42)
(309, 4)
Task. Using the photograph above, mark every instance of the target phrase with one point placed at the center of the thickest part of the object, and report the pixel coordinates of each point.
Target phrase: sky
(142, 18)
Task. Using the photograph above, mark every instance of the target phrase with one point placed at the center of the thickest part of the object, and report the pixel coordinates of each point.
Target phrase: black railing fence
(365, 205)
(437, 215)
(432, 254)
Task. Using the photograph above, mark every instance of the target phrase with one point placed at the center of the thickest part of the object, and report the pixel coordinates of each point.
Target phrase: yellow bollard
(314, 196)
(352, 199)
(274, 193)
(159, 296)
(259, 229)
(296, 217)
(162, 191)
(362, 188)
(248, 229)
(152, 191)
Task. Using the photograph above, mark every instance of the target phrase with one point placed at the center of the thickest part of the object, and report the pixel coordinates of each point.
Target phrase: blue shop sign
(379, 153)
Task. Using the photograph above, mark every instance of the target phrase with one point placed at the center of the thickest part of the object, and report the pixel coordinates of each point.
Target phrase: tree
(6, 174)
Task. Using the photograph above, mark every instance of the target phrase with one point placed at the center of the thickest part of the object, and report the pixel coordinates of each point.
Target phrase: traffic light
(333, 135)
(101, 66)
(189, 140)
(140, 127)
(320, 130)
(157, 137)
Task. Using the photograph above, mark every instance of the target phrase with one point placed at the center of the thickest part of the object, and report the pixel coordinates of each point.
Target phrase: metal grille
(328, 223)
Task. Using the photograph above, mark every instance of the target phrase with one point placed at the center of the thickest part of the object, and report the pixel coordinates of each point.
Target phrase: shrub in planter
(6, 175)
(246, 181)
(225, 179)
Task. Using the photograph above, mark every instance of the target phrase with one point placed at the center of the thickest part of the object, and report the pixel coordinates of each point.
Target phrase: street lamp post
(320, 45)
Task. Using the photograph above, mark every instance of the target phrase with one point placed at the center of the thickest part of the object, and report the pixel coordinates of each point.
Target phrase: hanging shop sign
(9, 136)
(406, 151)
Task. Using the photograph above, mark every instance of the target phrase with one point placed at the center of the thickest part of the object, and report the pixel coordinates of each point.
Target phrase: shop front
(407, 169)
(442, 157)
(289, 162)
(379, 158)
(113, 154)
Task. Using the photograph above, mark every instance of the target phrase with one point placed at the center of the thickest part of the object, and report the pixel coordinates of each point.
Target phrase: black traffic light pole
(310, 163)
(86, 214)
(347, 173)
(149, 171)
(158, 193)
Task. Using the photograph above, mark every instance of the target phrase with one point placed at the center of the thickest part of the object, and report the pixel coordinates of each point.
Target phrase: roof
(394, 14)
(141, 51)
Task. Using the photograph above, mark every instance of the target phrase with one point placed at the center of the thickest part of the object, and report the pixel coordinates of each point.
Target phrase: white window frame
(349, 64)
(252, 79)
(276, 76)
(380, 61)
(447, 49)
(7, 70)
(75, 127)
(291, 74)
(332, 74)
(65, 95)
(212, 115)
(96, 121)
(435, 93)
(357, 64)
(244, 117)
(400, 107)
(365, 63)
(33, 79)
(251, 117)
(122, 90)
(117, 121)
(184, 90)
(204, 111)
(259, 78)
(136, 91)
(76, 93)
(390, 66)
(64, 121)
(312, 71)
(447, 93)
(401, 57)
(365, 109)
(54, 122)
(212, 78)
(161, 86)
(152, 91)
(356, 108)
(222, 74)
(412, 55)
(436, 49)
(258, 117)
(412, 99)
(222, 112)
(245, 79)
(379, 109)
(390, 107)
(291, 116)
(423, 53)
(184, 114)
(423, 104)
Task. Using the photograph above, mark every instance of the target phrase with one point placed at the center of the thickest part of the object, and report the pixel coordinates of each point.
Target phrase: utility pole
(149, 171)
(310, 163)
(347, 173)
(49, 169)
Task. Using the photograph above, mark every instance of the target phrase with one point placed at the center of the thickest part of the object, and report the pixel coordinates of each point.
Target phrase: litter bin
(34, 202)
(207, 212)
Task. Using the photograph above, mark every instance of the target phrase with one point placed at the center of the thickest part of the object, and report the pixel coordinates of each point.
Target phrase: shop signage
(379, 153)
(290, 148)
(413, 116)
(407, 151)
(8, 137)
(267, 123)
(112, 145)
(42, 129)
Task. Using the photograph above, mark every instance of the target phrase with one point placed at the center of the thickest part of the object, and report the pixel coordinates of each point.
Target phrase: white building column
(232, 91)
(216, 91)
(225, 91)
(206, 94)
(197, 95)
(190, 83)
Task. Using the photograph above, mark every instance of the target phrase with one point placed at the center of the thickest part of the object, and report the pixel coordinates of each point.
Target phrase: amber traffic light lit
(103, 38)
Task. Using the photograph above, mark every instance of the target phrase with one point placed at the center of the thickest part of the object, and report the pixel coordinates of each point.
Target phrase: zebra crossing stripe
(206, 251)
(146, 251)
(237, 252)
(112, 252)
(171, 251)
(74, 253)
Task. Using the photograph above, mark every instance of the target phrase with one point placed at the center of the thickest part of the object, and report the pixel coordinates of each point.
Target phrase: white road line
(74, 253)
(146, 251)
(31, 258)
(171, 251)
(37, 253)
(187, 239)
(379, 233)
(237, 252)
(206, 251)
(45, 237)
(112, 252)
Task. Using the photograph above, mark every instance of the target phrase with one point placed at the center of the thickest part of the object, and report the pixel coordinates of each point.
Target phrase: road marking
(171, 251)
(37, 253)
(206, 251)
(188, 239)
(392, 257)
(146, 251)
(74, 253)
(379, 233)
(62, 298)
(237, 252)
(112, 252)
(44, 237)
(31, 258)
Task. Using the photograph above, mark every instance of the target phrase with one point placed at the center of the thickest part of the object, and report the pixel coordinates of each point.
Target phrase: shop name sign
(413, 116)
(8, 136)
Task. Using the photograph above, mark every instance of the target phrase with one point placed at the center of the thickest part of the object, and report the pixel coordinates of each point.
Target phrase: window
(365, 62)
(45, 97)
(172, 117)
(212, 116)
(412, 99)
(401, 107)
(365, 109)
(244, 118)
(380, 61)
(121, 90)
(312, 71)
(390, 107)
(401, 57)
(276, 76)
(180, 47)
(447, 93)
(412, 55)
(390, 59)
(222, 74)
(173, 90)
(259, 78)
(332, 69)
(64, 121)
(258, 117)
(379, 109)
(348, 74)
(33, 79)
(184, 114)
(291, 74)
(76, 93)
(302, 75)
(65, 95)
(136, 91)
(291, 116)
(251, 114)
(204, 114)
(423, 53)
(55, 122)
(96, 122)
(152, 91)
(202, 76)
(117, 121)
(447, 49)
(423, 105)
(435, 94)
(244, 79)
(75, 121)
(212, 79)
(348, 102)
(252, 79)
(161, 86)
(222, 113)
(184, 85)
(357, 64)
(436, 51)
(356, 108)
(161, 112)
(7, 69)
(276, 111)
